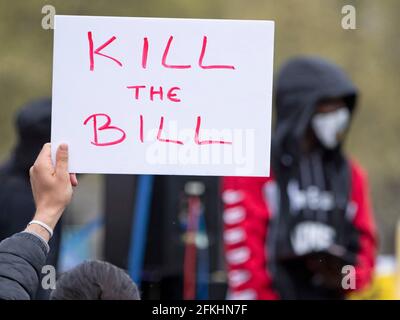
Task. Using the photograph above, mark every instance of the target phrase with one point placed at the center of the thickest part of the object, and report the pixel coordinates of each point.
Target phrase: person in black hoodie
(17, 207)
(312, 217)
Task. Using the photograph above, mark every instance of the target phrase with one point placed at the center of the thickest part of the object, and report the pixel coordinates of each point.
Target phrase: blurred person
(23, 255)
(289, 236)
(17, 207)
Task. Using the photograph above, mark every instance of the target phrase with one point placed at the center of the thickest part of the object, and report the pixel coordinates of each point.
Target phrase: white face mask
(329, 127)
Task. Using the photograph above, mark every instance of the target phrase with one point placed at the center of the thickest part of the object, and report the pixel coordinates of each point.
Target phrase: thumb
(74, 180)
(62, 159)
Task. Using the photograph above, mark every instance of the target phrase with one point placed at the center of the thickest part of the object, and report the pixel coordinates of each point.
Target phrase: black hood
(33, 125)
(301, 84)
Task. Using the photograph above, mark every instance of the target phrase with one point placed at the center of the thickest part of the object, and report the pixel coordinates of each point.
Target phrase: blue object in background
(202, 259)
(75, 244)
(139, 227)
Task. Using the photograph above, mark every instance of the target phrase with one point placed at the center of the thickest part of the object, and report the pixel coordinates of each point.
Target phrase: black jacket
(22, 257)
(307, 180)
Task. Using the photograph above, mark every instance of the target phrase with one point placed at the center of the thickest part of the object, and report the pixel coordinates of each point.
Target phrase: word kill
(145, 51)
(106, 126)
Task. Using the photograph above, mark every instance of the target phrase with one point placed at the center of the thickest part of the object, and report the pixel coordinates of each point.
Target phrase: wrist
(38, 230)
(48, 216)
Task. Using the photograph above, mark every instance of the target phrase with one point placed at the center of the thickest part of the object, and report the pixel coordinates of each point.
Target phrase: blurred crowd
(305, 232)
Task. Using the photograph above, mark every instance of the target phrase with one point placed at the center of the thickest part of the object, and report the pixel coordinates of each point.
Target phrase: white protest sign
(163, 96)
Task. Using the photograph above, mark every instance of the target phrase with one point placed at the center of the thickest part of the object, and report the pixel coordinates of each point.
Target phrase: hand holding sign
(163, 96)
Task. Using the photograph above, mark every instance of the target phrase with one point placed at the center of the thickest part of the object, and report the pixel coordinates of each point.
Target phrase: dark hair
(95, 280)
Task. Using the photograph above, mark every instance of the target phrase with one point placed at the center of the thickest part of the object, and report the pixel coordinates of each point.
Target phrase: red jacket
(246, 217)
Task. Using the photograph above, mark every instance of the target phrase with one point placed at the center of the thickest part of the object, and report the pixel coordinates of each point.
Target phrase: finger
(62, 159)
(74, 180)
(44, 156)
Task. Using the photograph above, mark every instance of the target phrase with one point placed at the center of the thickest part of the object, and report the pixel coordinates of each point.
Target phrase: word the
(171, 94)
